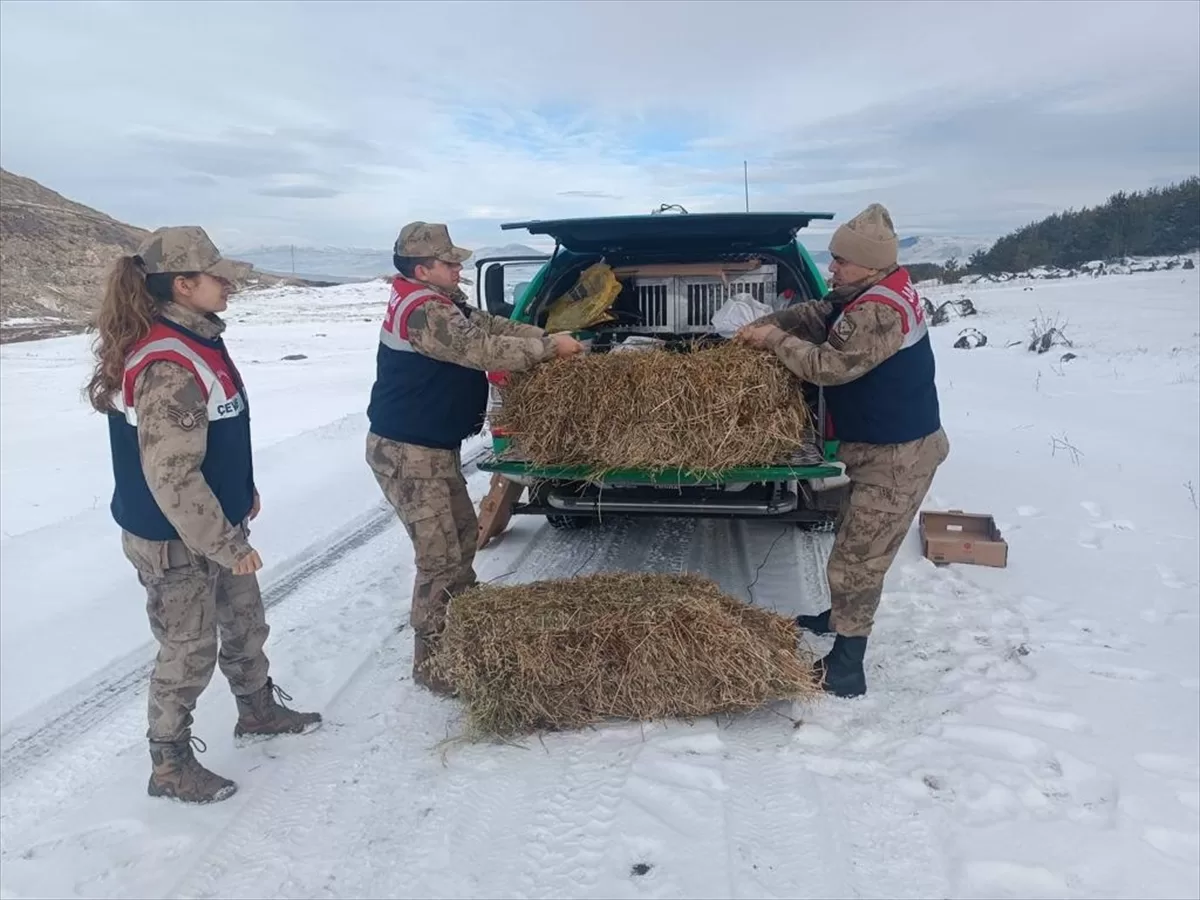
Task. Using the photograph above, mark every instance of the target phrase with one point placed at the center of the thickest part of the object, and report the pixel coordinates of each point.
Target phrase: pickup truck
(656, 258)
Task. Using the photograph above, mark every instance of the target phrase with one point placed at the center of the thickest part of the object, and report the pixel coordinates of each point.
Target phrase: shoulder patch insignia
(841, 332)
(185, 418)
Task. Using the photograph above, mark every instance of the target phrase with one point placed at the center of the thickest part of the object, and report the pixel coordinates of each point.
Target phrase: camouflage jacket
(172, 430)
(479, 341)
(862, 337)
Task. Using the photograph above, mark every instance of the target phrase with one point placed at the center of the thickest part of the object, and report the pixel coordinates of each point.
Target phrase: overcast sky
(335, 123)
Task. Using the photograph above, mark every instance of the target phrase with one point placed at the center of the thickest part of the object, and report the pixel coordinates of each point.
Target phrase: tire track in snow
(569, 832)
(849, 831)
(569, 835)
(53, 728)
(883, 848)
(669, 788)
(765, 783)
(672, 825)
(782, 569)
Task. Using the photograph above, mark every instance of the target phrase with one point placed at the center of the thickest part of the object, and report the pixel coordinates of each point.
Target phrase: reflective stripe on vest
(394, 332)
(222, 397)
(906, 302)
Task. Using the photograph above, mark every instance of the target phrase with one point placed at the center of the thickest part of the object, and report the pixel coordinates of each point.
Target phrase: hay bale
(568, 653)
(710, 409)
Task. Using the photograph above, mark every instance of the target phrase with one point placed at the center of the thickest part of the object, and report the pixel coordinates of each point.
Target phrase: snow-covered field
(1029, 732)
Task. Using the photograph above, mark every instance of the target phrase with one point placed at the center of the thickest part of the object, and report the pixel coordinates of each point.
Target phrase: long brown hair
(127, 313)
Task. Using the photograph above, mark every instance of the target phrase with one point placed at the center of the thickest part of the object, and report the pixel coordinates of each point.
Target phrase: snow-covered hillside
(1029, 731)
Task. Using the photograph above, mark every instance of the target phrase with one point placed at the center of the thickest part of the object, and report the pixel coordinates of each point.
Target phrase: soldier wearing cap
(179, 431)
(430, 394)
(867, 343)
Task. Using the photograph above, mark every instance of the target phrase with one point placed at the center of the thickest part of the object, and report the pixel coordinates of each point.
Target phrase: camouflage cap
(185, 248)
(432, 241)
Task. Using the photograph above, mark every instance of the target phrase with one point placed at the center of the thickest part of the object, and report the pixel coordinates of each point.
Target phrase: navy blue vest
(897, 401)
(228, 466)
(417, 399)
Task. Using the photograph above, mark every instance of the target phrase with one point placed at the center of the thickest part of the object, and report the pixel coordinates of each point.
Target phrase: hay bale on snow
(569, 653)
(705, 410)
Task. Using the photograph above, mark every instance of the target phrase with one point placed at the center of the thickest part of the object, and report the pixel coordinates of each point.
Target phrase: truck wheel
(570, 523)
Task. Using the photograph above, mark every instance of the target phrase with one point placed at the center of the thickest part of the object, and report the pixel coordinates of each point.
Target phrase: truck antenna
(746, 180)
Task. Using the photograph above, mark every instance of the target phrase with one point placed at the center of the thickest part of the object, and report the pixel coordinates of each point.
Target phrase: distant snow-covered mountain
(506, 250)
(343, 264)
(319, 263)
(919, 249)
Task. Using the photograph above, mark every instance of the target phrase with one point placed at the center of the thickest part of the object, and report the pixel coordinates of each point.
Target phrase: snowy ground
(1029, 732)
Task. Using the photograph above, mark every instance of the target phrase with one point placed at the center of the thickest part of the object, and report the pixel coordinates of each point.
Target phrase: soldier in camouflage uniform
(430, 394)
(179, 431)
(867, 343)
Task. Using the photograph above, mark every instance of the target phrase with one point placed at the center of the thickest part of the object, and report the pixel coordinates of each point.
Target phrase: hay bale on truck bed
(703, 410)
(564, 654)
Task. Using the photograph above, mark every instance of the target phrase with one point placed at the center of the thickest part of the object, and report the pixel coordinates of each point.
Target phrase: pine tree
(1157, 222)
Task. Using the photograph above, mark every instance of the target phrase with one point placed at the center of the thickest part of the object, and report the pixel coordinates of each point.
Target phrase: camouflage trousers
(888, 483)
(202, 615)
(427, 489)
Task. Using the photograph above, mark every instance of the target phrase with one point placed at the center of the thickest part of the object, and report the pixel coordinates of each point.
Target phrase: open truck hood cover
(608, 233)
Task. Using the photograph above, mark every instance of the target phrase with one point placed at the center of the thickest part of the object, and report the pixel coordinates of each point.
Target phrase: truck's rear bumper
(524, 471)
(787, 493)
(773, 501)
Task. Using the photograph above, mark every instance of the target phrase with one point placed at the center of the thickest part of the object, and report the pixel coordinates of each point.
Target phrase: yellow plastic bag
(587, 303)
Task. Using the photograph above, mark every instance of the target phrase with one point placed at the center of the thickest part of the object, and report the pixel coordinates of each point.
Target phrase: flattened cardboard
(957, 537)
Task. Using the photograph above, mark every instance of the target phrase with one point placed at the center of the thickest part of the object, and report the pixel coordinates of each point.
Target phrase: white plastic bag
(738, 310)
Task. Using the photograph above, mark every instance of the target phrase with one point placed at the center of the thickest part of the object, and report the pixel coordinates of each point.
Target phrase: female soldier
(179, 429)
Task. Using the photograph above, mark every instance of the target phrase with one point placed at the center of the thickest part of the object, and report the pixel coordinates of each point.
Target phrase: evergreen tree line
(1156, 222)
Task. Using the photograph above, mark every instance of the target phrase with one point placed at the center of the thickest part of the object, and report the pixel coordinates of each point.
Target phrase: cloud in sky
(336, 122)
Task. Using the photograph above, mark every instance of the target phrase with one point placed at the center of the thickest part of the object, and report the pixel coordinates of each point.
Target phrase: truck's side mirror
(493, 292)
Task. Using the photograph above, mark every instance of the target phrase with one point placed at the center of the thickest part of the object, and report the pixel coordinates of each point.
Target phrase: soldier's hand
(565, 346)
(257, 507)
(248, 565)
(755, 335)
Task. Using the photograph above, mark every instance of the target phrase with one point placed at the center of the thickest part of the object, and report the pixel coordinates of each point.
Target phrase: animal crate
(685, 304)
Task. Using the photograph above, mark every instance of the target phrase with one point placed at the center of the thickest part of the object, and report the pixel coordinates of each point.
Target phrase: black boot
(816, 624)
(841, 672)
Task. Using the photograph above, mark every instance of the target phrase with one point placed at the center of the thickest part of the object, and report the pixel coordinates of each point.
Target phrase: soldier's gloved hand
(248, 565)
(565, 346)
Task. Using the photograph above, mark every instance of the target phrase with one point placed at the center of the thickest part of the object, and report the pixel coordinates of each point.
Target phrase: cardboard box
(957, 537)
